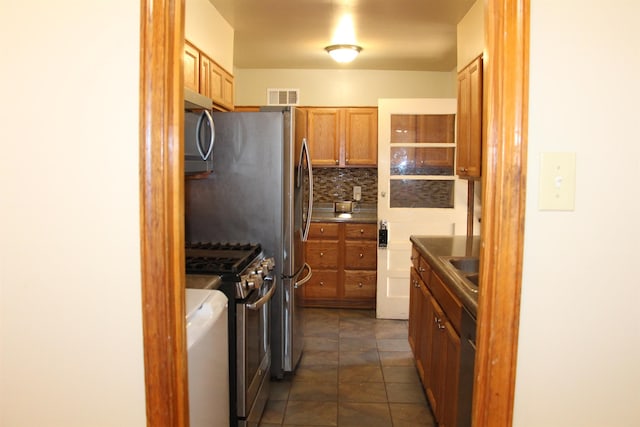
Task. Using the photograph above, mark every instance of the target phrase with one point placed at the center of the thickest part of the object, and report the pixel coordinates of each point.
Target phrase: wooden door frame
(162, 212)
(506, 78)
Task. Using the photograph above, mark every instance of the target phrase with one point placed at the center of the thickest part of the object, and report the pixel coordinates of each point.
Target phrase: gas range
(247, 279)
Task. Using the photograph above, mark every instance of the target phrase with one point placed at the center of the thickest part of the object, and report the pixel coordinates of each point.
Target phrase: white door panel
(394, 261)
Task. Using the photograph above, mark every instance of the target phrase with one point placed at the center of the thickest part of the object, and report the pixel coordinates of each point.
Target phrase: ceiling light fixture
(343, 52)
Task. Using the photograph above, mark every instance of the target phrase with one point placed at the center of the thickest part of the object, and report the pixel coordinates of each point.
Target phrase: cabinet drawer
(361, 231)
(415, 257)
(323, 284)
(449, 303)
(360, 284)
(424, 269)
(323, 231)
(322, 254)
(360, 255)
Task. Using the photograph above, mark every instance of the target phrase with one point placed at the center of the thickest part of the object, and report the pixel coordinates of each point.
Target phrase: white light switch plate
(557, 181)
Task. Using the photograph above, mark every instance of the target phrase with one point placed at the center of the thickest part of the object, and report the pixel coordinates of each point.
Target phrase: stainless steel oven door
(253, 353)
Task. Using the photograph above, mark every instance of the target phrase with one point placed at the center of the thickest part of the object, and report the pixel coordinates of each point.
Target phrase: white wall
(342, 87)
(209, 31)
(70, 306)
(579, 344)
(470, 35)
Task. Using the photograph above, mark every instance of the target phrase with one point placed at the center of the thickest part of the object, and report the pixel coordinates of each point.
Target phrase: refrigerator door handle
(304, 153)
(205, 115)
(306, 278)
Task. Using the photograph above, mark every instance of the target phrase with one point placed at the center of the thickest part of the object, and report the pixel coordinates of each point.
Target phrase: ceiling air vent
(283, 96)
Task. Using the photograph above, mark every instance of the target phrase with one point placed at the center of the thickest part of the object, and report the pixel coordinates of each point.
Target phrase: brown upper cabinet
(203, 75)
(191, 67)
(469, 146)
(343, 137)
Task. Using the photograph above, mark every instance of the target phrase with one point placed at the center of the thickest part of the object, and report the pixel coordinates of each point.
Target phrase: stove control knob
(253, 281)
(268, 264)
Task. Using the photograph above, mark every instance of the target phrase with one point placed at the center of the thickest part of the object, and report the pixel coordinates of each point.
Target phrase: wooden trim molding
(162, 212)
(504, 162)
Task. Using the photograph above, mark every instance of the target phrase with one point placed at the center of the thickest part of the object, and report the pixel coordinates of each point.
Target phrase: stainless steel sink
(466, 268)
(466, 264)
(473, 278)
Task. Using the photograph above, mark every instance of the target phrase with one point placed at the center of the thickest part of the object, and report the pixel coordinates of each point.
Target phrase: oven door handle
(264, 299)
(306, 278)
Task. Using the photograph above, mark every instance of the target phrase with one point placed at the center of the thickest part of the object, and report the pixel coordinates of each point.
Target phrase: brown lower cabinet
(343, 258)
(435, 340)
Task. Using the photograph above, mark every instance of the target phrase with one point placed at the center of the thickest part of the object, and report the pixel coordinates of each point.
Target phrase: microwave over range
(199, 133)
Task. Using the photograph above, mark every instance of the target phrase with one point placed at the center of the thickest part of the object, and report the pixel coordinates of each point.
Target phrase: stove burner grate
(219, 258)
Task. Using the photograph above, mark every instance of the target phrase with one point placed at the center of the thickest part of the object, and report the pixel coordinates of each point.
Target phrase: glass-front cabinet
(422, 156)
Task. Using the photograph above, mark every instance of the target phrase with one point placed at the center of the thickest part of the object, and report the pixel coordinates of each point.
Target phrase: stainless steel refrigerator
(261, 191)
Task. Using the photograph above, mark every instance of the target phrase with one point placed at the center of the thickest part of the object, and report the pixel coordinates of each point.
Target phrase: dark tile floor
(355, 371)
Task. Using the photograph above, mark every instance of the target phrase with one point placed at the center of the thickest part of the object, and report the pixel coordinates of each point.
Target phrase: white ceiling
(394, 34)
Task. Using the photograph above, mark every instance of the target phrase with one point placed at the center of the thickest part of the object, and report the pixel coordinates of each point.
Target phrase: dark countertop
(323, 212)
(432, 248)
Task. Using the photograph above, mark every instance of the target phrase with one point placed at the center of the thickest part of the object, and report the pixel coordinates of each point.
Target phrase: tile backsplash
(333, 184)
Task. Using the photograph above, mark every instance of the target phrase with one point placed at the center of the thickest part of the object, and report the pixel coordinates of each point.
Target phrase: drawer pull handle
(361, 231)
(361, 255)
(421, 270)
(360, 284)
(321, 283)
(322, 230)
(321, 253)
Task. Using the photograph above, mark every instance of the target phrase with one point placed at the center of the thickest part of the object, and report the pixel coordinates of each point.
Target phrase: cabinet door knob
(337, 162)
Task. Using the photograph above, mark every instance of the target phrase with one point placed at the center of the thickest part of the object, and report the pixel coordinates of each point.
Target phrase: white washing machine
(208, 357)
